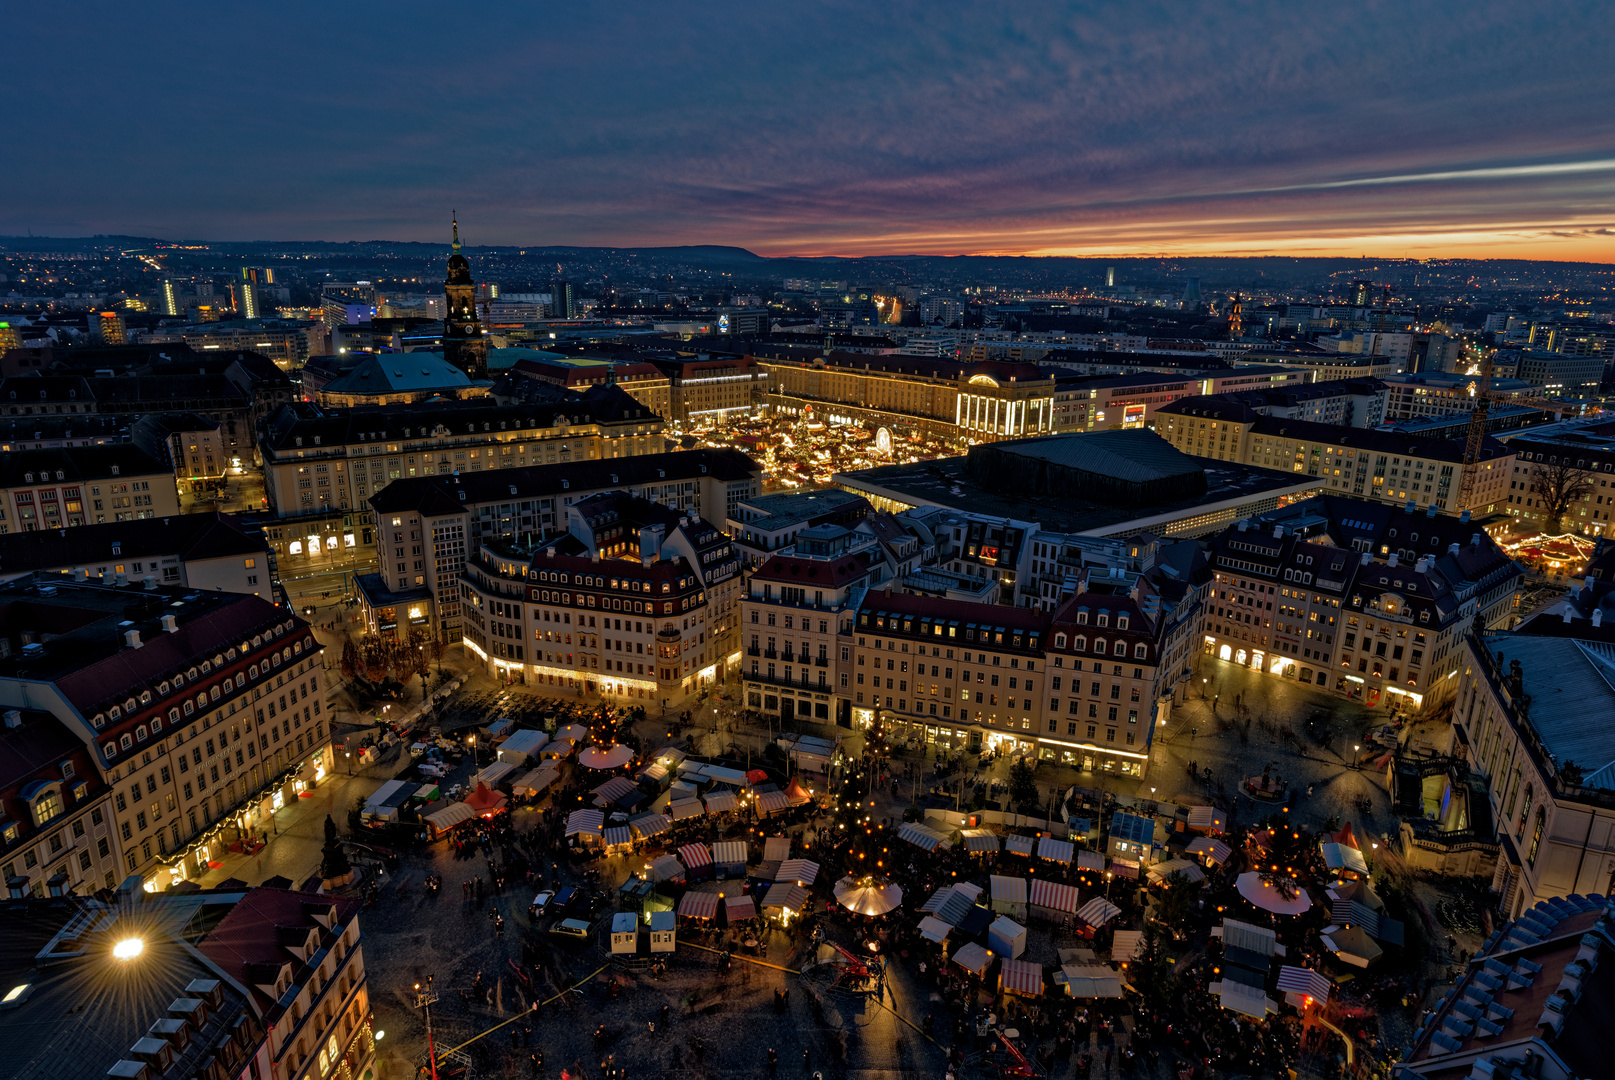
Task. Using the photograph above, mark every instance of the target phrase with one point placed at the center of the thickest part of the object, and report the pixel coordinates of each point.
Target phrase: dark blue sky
(1421, 129)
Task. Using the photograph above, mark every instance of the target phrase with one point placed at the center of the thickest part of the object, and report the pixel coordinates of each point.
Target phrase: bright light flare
(128, 949)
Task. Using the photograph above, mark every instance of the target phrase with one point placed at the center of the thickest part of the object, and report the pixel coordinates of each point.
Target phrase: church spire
(455, 221)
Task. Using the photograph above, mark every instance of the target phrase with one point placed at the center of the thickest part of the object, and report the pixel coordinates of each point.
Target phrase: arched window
(1536, 834)
(1525, 812)
(1140, 651)
(1079, 643)
(1059, 641)
(1121, 648)
(1099, 645)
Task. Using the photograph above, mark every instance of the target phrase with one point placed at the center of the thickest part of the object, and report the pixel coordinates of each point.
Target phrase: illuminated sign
(1133, 415)
(723, 324)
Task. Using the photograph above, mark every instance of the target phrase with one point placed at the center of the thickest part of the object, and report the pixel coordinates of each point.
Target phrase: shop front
(1091, 757)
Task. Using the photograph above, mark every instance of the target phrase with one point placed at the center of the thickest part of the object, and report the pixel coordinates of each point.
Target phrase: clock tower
(463, 343)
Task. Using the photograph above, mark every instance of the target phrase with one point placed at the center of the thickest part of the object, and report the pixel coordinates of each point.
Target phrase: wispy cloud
(839, 126)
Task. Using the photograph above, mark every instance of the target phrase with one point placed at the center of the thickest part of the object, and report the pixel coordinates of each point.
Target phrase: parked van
(574, 928)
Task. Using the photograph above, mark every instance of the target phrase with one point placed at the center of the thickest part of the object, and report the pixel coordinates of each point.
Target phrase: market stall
(665, 868)
(699, 905)
(802, 871)
(980, 841)
(1161, 871)
(1052, 899)
(441, 821)
(1016, 844)
(697, 861)
(1290, 899)
(648, 825)
(1210, 849)
(1008, 895)
(720, 802)
(729, 857)
(1097, 912)
(605, 757)
(785, 901)
(535, 782)
(683, 809)
(922, 836)
(1020, 977)
(770, 803)
(1006, 937)
(738, 909)
(974, 959)
(1060, 851)
(617, 838)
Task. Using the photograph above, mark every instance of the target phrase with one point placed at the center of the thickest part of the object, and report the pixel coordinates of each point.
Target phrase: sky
(1427, 130)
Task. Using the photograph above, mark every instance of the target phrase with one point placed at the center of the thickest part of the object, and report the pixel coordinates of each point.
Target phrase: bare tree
(1557, 486)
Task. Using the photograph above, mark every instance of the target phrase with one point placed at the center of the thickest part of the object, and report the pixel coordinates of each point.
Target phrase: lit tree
(1556, 487)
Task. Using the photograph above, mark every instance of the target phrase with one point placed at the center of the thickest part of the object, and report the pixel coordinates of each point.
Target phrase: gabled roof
(812, 573)
(413, 372)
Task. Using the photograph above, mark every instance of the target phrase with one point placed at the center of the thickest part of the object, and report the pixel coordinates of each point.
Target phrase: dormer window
(1059, 641)
(1082, 618)
(1121, 622)
(1103, 618)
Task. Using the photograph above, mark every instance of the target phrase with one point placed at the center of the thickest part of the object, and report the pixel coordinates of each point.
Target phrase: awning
(1088, 859)
(557, 748)
(1017, 844)
(618, 836)
(1054, 896)
(575, 732)
(785, 896)
(1009, 890)
(584, 821)
(1124, 868)
(665, 868)
(1059, 851)
(614, 789)
(1206, 817)
(450, 816)
(978, 841)
(934, 929)
(684, 808)
(776, 848)
(973, 958)
(1191, 872)
(1353, 945)
(922, 837)
(720, 802)
(770, 803)
(739, 909)
(1300, 980)
(1098, 911)
(729, 852)
(1093, 981)
(1246, 1000)
(796, 793)
(650, 824)
(535, 781)
(1210, 849)
(1124, 944)
(699, 905)
(801, 871)
(492, 774)
(695, 856)
(1020, 977)
(1344, 857)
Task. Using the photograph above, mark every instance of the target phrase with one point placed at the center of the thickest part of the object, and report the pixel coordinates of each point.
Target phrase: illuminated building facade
(934, 396)
(202, 712)
(427, 527)
(635, 601)
(1364, 600)
(1387, 466)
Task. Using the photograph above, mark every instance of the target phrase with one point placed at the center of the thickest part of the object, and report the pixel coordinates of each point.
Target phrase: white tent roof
(1060, 851)
(1162, 870)
(1247, 1000)
(1124, 944)
(1089, 981)
(494, 773)
(450, 816)
(525, 741)
(717, 802)
(973, 958)
(980, 840)
(534, 781)
(729, 852)
(1098, 911)
(934, 929)
(922, 837)
(1011, 890)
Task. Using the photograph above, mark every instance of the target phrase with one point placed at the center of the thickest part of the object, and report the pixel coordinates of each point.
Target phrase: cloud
(836, 127)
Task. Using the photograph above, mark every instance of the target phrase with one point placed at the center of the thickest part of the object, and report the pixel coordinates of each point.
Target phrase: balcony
(802, 683)
(754, 651)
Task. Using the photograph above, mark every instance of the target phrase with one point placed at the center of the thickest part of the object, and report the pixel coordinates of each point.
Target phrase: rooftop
(393, 373)
(945, 482)
(1568, 681)
(451, 494)
(190, 536)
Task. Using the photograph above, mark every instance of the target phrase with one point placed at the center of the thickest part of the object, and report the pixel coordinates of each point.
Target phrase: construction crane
(1484, 395)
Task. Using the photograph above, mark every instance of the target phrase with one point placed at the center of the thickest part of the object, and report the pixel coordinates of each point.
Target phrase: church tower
(1236, 319)
(463, 343)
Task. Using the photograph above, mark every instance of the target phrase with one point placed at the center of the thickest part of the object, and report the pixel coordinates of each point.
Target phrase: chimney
(131, 639)
(1422, 564)
(1368, 557)
(1278, 532)
(1430, 513)
(13, 718)
(1411, 506)
(119, 580)
(1568, 612)
(150, 581)
(1452, 549)
(170, 624)
(1598, 616)
(1464, 517)
(1243, 525)
(80, 574)
(1392, 560)
(1474, 541)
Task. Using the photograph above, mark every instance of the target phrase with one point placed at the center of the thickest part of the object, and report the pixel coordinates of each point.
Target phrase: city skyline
(1450, 131)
